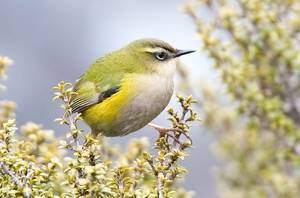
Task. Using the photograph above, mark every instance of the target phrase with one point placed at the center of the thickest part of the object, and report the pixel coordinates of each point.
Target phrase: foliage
(255, 47)
(35, 163)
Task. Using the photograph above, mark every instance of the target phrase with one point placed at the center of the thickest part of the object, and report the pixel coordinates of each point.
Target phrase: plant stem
(160, 187)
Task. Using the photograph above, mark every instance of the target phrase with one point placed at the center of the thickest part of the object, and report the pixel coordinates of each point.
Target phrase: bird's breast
(153, 93)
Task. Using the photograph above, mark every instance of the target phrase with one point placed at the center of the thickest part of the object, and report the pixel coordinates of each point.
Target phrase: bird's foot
(165, 132)
(161, 130)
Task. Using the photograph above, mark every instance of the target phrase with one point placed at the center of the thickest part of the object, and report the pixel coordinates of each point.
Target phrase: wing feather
(99, 82)
(88, 96)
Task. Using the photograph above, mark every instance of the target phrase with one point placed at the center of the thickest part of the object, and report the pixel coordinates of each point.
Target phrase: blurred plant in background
(254, 45)
(29, 162)
(35, 163)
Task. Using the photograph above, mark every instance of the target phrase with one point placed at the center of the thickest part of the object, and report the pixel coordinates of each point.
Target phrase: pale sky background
(54, 40)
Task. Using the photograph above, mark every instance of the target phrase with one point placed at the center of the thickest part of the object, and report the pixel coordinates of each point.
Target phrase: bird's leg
(164, 132)
(161, 130)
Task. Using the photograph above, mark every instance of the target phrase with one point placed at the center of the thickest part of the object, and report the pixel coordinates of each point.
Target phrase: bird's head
(154, 56)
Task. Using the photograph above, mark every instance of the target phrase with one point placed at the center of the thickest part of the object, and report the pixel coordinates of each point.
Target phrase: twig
(6, 171)
(25, 183)
(15, 178)
(160, 187)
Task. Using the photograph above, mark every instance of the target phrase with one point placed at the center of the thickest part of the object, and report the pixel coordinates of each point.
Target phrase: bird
(124, 90)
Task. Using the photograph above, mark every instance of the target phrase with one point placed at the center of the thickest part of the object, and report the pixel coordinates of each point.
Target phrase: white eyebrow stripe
(156, 49)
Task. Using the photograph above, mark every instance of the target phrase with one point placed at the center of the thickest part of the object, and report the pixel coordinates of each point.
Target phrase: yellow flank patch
(108, 110)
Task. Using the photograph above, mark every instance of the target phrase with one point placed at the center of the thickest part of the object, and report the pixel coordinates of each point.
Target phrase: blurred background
(51, 41)
(246, 77)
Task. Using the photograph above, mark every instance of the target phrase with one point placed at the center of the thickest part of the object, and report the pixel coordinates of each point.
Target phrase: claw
(164, 132)
(161, 130)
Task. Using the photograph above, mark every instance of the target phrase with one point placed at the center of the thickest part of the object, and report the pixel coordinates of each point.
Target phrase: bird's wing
(90, 93)
(99, 82)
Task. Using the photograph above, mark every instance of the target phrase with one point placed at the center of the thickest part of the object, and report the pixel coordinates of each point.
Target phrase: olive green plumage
(124, 90)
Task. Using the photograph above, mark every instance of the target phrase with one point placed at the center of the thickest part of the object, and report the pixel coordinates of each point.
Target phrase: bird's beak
(183, 52)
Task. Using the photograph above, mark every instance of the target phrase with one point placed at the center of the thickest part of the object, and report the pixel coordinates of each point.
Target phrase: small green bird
(126, 89)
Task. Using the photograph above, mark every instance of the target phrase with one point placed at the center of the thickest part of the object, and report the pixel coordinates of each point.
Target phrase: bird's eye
(161, 56)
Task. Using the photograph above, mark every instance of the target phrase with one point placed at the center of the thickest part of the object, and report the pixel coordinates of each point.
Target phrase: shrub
(36, 163)
(254, 45)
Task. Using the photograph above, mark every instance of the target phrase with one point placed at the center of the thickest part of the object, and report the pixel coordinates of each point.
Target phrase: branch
(16, 179)
(6, 171)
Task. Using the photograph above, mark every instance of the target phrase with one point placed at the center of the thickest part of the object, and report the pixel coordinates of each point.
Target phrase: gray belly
(153, 95)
